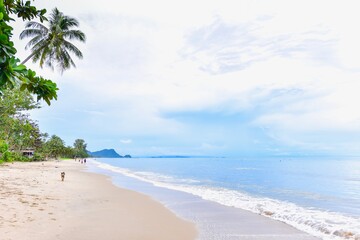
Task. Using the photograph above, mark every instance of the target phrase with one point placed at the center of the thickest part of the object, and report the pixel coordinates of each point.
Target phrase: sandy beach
(36, 204)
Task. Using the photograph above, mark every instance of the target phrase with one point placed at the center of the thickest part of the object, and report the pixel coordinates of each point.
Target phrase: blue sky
(224, 78)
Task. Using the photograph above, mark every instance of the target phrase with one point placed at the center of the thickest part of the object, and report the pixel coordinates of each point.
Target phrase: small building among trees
(28, 152)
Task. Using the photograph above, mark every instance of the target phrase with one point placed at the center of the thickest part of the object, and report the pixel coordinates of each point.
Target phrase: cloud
(260, 77)
(126, 141)
(225, 47)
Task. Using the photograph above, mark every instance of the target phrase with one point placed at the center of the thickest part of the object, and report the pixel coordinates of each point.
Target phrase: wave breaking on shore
(323, 224)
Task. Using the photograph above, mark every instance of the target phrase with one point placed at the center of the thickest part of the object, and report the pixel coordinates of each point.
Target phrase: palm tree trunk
(27, 59)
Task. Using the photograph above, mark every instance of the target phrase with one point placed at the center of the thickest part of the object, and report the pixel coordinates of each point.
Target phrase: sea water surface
(320, 196)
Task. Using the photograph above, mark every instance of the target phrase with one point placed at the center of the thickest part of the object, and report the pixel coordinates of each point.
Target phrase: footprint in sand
(22, 200)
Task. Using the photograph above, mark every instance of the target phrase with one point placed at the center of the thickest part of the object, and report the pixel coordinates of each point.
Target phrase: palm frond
(66, 62)
(73, 49)
(36, 25)
(44, 57)
(51, 46)
(36, 56)
(31, 33)
(75, 34)
(34, 41)
(39, 45)
(69, 22)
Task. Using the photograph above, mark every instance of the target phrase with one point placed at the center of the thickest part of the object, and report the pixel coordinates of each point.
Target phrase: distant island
(107, 153)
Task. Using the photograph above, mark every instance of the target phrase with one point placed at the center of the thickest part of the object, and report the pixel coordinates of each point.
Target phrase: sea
(317, 195)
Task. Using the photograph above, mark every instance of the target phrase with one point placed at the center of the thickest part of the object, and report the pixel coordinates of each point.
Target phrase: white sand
(36, 205)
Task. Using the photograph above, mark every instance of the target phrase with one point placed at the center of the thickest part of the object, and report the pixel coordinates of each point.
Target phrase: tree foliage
(13, 101)
(54, 147)
(18, 84)
(52, 45)
(50, 147)
(80, 148)
(13, 74)
(17, 130)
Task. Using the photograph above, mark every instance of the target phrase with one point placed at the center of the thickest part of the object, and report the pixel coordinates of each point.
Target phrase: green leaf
(19, 67)
(23, 87)
(2, 59)
(47, 101)
(3, 39)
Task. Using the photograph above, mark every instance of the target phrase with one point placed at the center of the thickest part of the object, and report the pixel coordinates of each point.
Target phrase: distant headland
(107, 153)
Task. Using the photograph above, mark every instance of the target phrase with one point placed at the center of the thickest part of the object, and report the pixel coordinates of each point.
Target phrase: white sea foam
(326, 225)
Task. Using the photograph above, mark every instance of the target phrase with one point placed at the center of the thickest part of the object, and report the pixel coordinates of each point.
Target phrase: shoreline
(214, 220)
(36, 204)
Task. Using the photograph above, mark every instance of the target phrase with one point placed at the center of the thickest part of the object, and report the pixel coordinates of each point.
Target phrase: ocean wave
(326, 225)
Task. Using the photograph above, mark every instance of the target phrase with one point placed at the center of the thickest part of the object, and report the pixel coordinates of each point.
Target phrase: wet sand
(213, 220)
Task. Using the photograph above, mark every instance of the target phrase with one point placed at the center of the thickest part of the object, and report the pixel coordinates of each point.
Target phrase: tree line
(50, 45)
(18, 132)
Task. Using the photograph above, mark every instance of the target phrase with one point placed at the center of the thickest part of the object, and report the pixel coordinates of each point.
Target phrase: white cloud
(126, 141)
(293, 63)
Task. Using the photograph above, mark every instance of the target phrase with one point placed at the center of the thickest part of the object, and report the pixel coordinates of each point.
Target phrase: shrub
(3, 146)
(7, 157)
(37, 157)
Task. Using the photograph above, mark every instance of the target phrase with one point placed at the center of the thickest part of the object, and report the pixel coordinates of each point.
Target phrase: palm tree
(51, 46)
